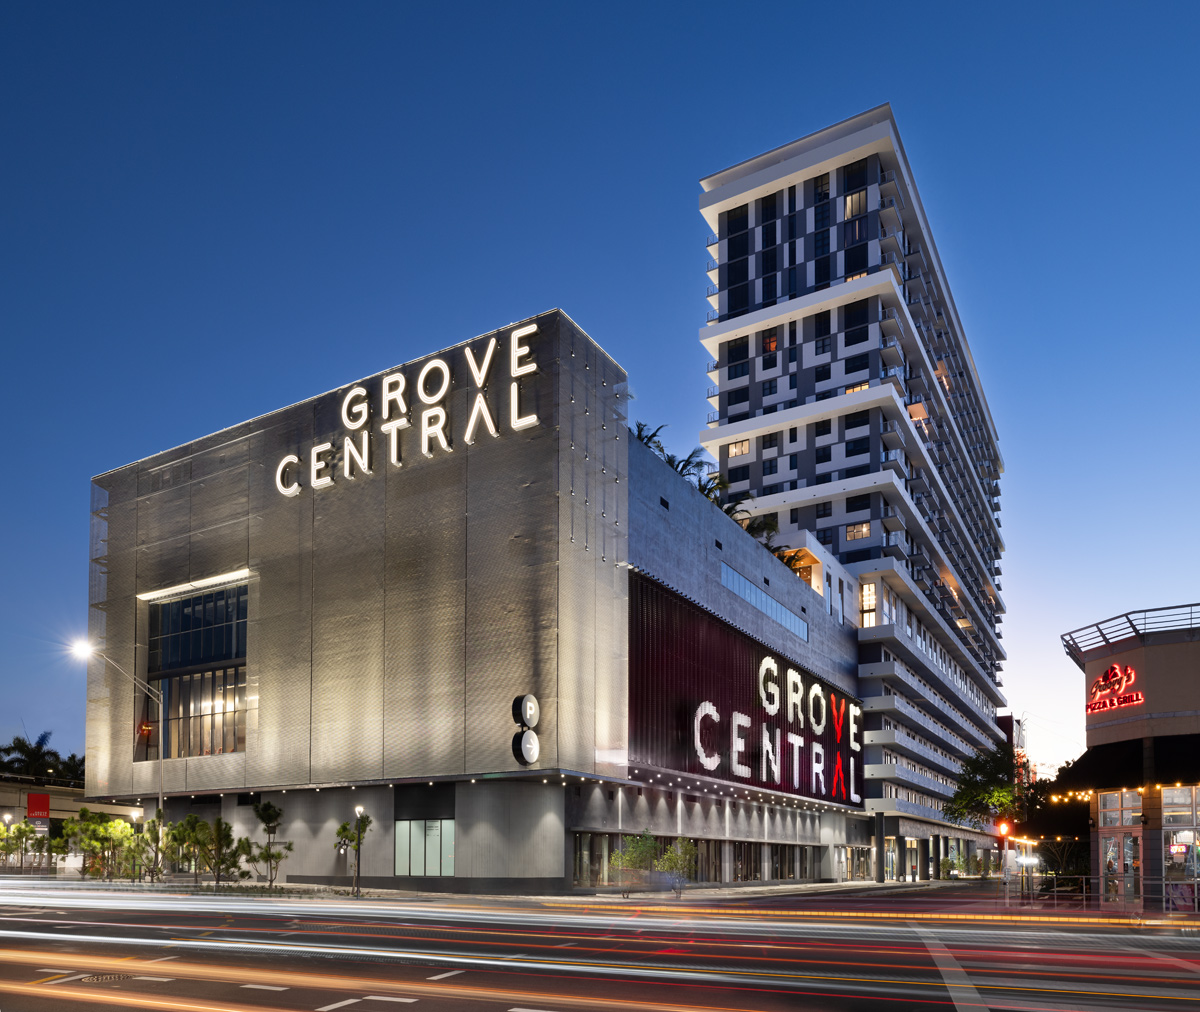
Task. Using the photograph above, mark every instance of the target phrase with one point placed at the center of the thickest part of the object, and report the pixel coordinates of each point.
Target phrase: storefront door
(1121, 869)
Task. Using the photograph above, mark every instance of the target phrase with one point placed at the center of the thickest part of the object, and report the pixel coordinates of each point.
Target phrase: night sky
(214, 210)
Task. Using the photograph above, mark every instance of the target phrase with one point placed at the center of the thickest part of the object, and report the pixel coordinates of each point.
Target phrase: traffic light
(1004, 829)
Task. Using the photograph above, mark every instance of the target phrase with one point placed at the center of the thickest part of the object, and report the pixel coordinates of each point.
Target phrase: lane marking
(161, 959)
(527, 1010)
(339, 1004)
(565, 945)
(380, 997)
(56, 970)
(261, 987)
(962, 991)
(63, 980)
(161, 980)
(1173, 960)
(443, 976)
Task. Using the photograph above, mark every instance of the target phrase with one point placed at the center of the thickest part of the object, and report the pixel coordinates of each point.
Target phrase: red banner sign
(37, 806)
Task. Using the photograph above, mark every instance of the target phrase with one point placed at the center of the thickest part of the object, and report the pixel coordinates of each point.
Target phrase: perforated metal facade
(396, 611)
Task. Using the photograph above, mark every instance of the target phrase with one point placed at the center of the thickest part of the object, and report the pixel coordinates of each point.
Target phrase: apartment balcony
(891, 240)
(713, 316)
(714, 395)
(714, 419)
(892, 262)
(910, 778)
(889, 323)
(893, 519)
(713, 294)
(918, 383)
(917, 282)
(894, 459)
(887, 183)
(712, 269)
(915, 257)
(891, 352)
(889, 212)
(919, 481)
(893, 435)
(712, 240)
(898, 708)
(897, 740)
(895, 376)
(895, 545)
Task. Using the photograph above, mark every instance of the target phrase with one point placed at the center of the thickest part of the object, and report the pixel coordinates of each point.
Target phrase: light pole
(83, 650)
(358, 814)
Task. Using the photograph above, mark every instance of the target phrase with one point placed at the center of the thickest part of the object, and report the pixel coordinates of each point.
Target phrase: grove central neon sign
(1108, 691)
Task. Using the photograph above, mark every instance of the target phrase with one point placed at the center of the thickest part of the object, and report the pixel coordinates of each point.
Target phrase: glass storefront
(1121, 847)
(1181, 850)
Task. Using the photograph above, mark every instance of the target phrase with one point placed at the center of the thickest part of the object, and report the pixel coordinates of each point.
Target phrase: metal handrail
(1131, 625)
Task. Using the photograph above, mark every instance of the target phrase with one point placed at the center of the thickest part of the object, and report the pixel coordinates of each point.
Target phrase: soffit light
(235, 576)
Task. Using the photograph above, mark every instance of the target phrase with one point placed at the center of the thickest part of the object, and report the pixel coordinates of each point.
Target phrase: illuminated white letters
(479, 410)
(855, 713)
(515, 420)
(350, 452)
(479, 372)
(294, 487)
(853, 796)
(818, 766)
(433, 423)
(816, 693)
(393, 393)
(795, 697)
(705, 709)
(438, 366)
(797, 743)
(737, 744)
(317, 465)
(768, 688)
(518, 351)
(392, 429)
(354, 415)
(770, 755)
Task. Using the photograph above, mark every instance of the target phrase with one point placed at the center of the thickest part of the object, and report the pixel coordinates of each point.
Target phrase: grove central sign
(395, 404)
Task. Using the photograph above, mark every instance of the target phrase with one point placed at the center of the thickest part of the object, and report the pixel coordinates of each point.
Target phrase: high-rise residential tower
(846, 403)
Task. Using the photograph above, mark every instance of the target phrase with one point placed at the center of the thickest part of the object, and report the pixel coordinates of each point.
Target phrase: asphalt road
(80, 949)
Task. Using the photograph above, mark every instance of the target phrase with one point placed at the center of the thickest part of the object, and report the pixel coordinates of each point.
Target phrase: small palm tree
(644, 434)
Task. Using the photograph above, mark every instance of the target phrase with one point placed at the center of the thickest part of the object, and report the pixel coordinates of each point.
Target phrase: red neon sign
(1108, 691)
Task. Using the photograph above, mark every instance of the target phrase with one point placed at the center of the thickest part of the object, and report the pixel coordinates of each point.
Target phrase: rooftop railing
(1131, 625)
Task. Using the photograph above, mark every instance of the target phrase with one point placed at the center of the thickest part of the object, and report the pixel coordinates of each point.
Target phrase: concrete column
(923, 859)
(901, 858)
(880, 849)
(936, 842)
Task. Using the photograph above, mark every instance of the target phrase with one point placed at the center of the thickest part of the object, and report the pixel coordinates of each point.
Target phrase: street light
(358, 813)
(84, 650)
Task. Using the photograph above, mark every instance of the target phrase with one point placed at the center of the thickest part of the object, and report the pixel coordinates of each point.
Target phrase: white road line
(380, 997)
(443, 976)
(565, 945)
(51, 969)
(162, 980)
(161, 959)
(259, 987)
(527, 1010)
(1163, 957)
(339, 1004)
(63, 980)
(962, 991)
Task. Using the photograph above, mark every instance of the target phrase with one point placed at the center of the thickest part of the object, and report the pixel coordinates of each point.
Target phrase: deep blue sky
(213, 210)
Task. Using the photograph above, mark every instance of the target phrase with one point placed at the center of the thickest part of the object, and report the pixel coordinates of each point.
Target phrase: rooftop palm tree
(25, 758)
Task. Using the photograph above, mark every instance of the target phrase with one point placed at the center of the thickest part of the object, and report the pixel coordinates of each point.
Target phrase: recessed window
(855, 233)
(857, 447)
(821, 216)
(855, 388)
(824, 454)
(821, 243)
(824, 509)
(794, 515)
(792, 434)
(737, 350)
(738, 218)
(856, 204)
(822, 324)
(742, 446)
(854, 262)
(854, 175)
(823, 346)
(822, 373)
(857, 419)
(825, 536)
(738, 396)
(823, 428)
(856, 532)
(770, 387)
(857, 363)
(855, 314)
(771, 466)
(770, 339)
(821, 187)
(856, 336)
(737, 370)
(867, 606)
(737, 474)
(857, 503)
(770, 440)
